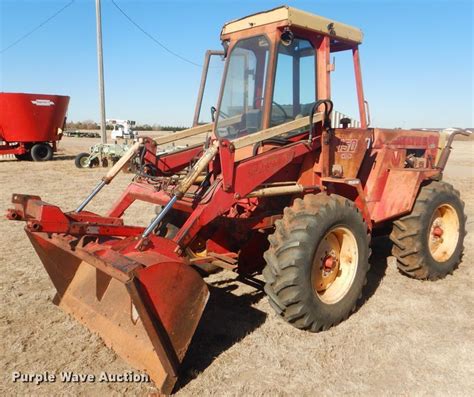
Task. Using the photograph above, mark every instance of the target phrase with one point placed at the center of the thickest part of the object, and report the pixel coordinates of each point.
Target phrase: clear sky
(417, 56)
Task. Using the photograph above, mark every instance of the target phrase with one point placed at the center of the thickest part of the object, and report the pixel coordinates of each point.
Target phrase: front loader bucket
(145, 308)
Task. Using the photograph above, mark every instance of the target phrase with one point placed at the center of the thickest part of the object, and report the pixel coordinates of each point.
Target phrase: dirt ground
(408, 338)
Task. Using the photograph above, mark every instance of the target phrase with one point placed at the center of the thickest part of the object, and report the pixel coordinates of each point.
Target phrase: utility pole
(100, 64)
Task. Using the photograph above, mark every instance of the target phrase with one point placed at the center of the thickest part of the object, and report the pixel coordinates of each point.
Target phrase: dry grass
(409, 338)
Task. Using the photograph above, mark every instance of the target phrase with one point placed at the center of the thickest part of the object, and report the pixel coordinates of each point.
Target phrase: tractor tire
(41, 152)
(317, 262)
(428, 243)
(82, 161)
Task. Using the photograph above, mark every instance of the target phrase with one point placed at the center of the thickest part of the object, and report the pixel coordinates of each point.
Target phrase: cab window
(295, 87)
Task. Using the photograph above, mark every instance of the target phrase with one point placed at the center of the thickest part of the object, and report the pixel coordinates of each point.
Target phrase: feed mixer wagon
(31, 124)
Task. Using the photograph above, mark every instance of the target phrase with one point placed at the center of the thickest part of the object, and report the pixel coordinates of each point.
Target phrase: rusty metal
(146, 311)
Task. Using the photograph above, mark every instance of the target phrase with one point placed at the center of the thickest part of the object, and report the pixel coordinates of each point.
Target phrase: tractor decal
(347, 147)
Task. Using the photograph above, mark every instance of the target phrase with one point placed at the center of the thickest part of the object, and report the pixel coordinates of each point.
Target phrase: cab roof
(298, 18)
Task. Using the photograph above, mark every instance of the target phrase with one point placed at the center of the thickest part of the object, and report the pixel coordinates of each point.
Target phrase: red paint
(31, 117)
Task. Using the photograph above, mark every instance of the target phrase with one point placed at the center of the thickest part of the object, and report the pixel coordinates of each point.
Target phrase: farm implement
(102, 154)
(109, 153)
(31, 124)
(274, 188)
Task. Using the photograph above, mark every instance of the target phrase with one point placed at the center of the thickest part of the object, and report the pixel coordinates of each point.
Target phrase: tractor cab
(278, 66)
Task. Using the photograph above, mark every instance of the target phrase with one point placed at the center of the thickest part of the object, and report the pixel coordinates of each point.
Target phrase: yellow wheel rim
(443, 233)
(335, 265)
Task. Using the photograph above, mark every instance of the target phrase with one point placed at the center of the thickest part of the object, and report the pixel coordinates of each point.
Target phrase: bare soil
(408, 338)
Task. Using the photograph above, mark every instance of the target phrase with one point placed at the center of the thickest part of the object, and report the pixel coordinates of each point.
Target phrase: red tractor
(274, 188)
(31, 124)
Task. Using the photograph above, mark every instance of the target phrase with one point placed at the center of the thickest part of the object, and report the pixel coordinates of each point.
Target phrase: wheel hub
(443, 233)
(84, 162)
(329, 263)
(437, 232)
(334, 265)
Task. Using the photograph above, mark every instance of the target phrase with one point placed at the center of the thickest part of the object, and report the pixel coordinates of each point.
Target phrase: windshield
(241, 106)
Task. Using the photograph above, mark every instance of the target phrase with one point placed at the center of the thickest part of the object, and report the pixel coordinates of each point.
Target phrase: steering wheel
(285, 115)
(213, 113)
(231, 131)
